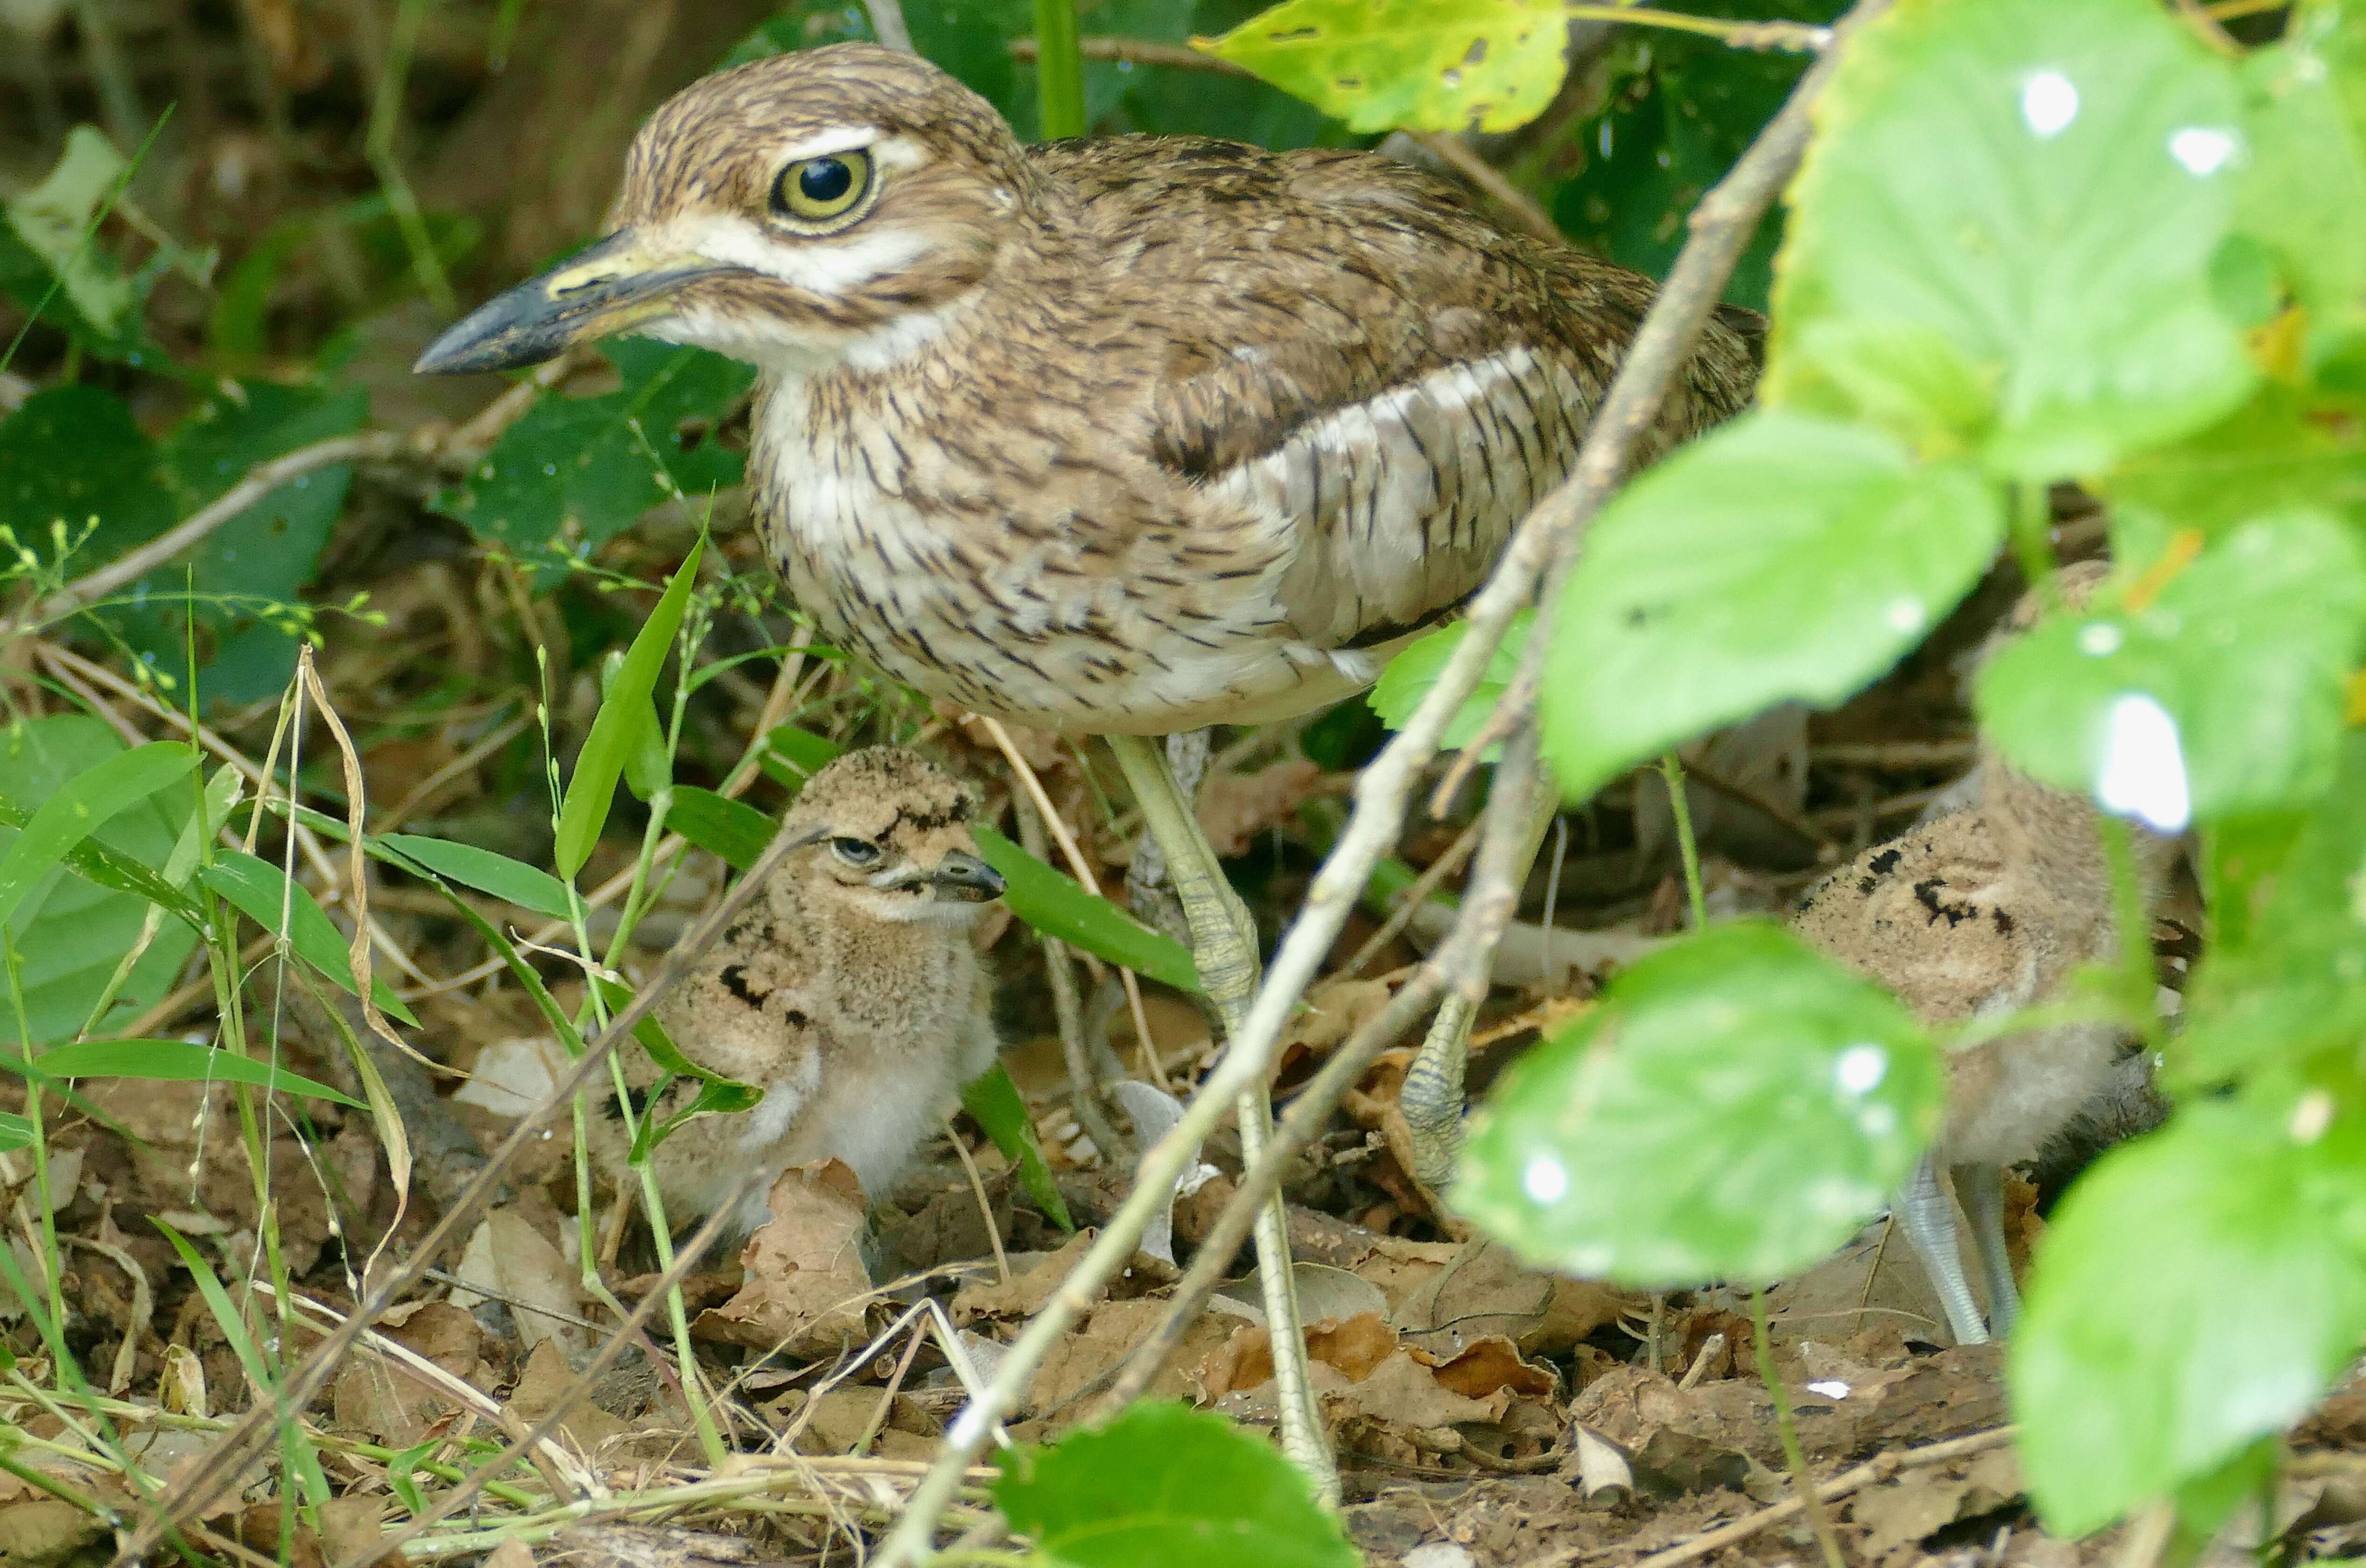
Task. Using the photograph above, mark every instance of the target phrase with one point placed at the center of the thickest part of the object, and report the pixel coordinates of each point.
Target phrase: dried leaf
(807, 1284)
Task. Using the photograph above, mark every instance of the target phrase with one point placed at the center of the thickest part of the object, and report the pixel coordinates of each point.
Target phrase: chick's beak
(964, 876)
(612, 288)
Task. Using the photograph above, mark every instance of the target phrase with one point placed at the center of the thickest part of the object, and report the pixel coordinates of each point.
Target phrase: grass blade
(592, 790)
(1058, 907)
(80, 808)
(178, 1061)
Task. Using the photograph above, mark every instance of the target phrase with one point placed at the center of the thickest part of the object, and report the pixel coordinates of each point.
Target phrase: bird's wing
(1387, 366)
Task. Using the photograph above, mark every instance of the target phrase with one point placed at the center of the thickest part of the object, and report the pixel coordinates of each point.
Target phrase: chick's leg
(1928, 1216)
(1981, 1187)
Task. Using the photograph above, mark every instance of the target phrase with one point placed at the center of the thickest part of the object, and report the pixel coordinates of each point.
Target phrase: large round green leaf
(2234, 668)
(2196, 1291)
(1735, 1108)
(1782, 558)
(2039, 186)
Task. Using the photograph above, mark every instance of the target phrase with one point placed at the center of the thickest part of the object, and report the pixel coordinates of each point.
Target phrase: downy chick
(849, 992)
(1981, 913)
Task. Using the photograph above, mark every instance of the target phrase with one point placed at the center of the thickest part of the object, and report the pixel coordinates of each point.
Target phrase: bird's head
(890, 837)
(828, 205)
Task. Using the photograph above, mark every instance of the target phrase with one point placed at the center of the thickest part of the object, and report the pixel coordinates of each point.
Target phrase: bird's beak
(964, 876)
(612, 288)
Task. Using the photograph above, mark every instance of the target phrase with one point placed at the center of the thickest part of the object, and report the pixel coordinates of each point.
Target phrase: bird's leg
(1929, 1216)
(1149, 892)
(1981, 1187)
(1432, 1096)
(1224, 947)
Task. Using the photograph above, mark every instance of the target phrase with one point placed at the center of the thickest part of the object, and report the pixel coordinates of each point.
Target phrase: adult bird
(1120, 436)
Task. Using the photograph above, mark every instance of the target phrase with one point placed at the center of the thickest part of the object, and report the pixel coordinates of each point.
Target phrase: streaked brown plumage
(1126, 435)
(849, 993)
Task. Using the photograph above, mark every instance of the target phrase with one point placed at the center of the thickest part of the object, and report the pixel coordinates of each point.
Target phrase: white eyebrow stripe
(835, 139)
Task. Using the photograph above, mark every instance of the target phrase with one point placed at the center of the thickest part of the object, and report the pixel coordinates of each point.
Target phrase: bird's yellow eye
(815, 190)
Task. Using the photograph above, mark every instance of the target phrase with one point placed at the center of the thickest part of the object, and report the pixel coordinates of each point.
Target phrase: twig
(458, 1497)
(1798, 37)
(427, 788)
(1803, 1480)
(1139, 51)
(1880, 1468)
(1410, 901)
(377, 446)
(984, 1204)
(1457, 154)
(887, 24)
(197, 1488)
(1067, 1007)
(1540, 551)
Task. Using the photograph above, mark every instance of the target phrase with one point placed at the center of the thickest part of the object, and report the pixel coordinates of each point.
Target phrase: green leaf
(16, 1132)
(731, 829)
(1059, 907)
(73, 931)
(2197, 1291)
(259, 560)
(1780, 557)
(2303, 190)
(261, 892)
(177, 1061)
(575, 472)
(1734, 1109)
(1166, 1486)
(2285, 976)
(994, 1102)
(527, 886)
(1412, 65)
(72, 457)
(2286, 447)
(715, 1092)
(80, 808)
(2247, 650)
(615, 728)
(56, 220)
(2090, 152)
(1413, 672)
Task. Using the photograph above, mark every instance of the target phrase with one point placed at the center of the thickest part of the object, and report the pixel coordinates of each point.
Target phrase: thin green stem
(1803, 1480)
(2033, 545)
(1671, 770)
(1801, 38)
(1059, 70)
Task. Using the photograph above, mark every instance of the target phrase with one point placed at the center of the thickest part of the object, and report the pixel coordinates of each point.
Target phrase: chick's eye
(818, 189)
(854, 852)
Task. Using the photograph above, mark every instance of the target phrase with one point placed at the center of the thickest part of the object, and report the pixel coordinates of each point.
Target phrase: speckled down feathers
(858, 1021)
(1139, 433)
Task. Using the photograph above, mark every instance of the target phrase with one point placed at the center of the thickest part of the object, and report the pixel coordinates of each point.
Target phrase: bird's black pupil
(855, 848)
(825, 180)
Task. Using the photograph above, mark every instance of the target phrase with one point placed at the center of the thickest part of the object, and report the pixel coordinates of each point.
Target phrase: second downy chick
(849, 992)
(1981, 913)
